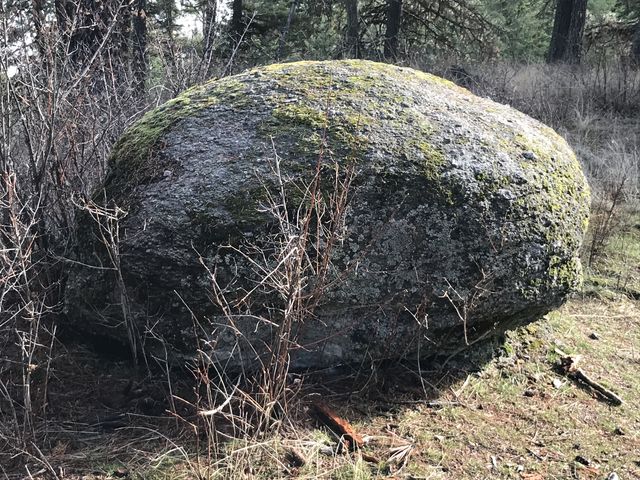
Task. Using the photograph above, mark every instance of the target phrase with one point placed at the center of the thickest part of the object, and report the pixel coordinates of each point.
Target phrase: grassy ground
(516, 417)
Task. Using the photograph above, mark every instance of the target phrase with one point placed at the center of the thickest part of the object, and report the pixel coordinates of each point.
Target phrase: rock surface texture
(464, 216)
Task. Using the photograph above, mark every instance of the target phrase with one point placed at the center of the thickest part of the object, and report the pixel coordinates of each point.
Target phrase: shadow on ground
(100, 416)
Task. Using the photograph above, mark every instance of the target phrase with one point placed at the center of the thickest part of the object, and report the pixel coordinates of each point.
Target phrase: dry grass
(514, 413)
(562, 96)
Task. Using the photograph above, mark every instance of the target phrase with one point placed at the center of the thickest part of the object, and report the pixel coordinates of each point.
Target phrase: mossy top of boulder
(315, 85)
(336, 107)
(299, 95)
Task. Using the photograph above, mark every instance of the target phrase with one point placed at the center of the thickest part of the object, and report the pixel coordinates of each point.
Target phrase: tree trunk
(121, 42)
(237, 25)
(140, 48)
(568, 30)
(169, 9)
(83, 25)
(561, 23)
(285, 30)
(352, 40)
(37, 13)
(576, 31)
(635, 45)
(208, 27)
(64, 15)
(394, 16)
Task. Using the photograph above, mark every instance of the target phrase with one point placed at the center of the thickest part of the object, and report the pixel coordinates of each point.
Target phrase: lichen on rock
(459, 204)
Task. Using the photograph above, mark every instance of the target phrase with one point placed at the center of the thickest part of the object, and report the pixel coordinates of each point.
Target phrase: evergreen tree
(352, 34)
(139, 43)
(393, 19)
(568, 31)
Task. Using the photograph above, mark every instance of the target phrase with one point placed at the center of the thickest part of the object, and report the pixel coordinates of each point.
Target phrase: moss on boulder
(466, 216)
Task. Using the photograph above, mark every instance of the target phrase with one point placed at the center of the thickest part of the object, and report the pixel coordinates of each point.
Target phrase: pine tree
(568, 31)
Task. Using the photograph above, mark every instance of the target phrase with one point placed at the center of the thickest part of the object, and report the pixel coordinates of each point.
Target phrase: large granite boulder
(464, 217)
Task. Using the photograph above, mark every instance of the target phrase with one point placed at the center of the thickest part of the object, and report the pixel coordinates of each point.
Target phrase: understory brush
(292, 267)
(59, 117)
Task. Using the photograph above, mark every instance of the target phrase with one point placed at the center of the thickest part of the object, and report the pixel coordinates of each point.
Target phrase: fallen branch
(424, 402)
(294, 458)
(569, 365)
(339, 426)
(370, 459)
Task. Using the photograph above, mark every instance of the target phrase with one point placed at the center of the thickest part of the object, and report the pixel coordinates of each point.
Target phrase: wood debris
(569, 365)
(424, 402)
(531, 476)
(370, 459)
(349, 437)
(294, 458)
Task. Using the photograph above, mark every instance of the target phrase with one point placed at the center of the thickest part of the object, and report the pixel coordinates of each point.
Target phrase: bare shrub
(107, 220)
(26, 332)
(616, 195)
(557, 94)
(240, 411)
(293, 267)
(61, 108)
(66, 95)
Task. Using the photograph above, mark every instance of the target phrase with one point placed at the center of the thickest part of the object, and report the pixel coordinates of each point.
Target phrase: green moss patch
(133, 157)
(136, 145)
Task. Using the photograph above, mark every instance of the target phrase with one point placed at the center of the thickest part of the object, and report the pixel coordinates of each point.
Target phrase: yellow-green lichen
(133, 154)
(556, 169)
(402, 72)
(301, 114)
(432, 161)
(244, 209)
(340, 108)
(565, 273)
